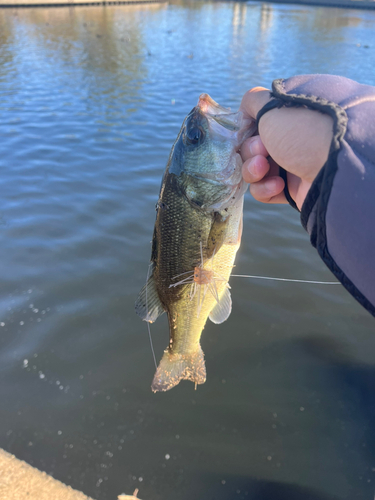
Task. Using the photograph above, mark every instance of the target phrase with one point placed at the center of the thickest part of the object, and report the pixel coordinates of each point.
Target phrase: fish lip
(223, 121)
(208, 109)
(209, 106)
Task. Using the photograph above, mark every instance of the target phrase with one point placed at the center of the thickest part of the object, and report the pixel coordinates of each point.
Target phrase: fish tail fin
(176, 367)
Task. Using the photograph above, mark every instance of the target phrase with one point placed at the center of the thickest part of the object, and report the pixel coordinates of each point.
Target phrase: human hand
(297, 139)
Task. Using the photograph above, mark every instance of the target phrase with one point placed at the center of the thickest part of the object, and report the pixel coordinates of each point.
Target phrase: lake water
(91, 100)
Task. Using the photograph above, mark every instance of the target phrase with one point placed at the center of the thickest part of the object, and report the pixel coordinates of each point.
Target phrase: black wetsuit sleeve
(339, 209)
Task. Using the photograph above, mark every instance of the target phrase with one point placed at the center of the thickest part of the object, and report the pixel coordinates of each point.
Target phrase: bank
(20, 480)
(69, 3)
(348, 4)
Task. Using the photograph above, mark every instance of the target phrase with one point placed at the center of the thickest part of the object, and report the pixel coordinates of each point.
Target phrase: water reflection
(332, 20)
(6, 53)
(107, 45)
(266, 15)
(239, 17)
(314, 20)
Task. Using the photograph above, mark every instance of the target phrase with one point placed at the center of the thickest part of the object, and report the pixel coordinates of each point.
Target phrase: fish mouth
(220, 115)
(210, 119)
(208, 110)
(208, 106)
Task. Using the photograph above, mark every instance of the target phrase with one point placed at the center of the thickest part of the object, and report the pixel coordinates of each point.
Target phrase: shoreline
(341, 4)
(11, 4)
(18, 479)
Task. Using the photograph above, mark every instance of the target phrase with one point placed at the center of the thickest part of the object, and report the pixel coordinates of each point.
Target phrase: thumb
(254, 100)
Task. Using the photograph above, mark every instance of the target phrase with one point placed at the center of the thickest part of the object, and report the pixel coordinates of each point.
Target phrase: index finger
(254, 100)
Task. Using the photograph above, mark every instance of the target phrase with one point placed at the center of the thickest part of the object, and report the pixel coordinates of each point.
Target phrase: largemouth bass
(196, 237)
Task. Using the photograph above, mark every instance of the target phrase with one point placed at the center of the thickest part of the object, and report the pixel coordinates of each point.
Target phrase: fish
(196, 236)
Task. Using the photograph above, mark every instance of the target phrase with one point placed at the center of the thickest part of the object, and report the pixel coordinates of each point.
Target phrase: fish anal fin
(148, 305)
(222, 309)
(176, 367)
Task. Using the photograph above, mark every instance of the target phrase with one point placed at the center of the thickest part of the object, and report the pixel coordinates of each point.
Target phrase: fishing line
(148, 324)
(152, 346)
(311, 282)
(286, 279)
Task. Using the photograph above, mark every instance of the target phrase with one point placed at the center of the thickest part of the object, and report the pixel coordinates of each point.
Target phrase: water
(91, 99)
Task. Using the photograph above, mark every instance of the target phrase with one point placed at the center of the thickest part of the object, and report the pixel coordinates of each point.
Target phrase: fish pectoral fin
(223, 308)
(148, 305)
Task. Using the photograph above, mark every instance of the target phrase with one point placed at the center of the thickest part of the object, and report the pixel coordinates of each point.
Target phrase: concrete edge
(62, 3)
(19, 480)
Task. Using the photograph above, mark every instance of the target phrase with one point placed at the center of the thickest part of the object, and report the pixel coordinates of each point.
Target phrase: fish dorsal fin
(223, 308)
(148, 305)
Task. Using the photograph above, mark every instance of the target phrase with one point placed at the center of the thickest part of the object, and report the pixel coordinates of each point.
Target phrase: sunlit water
(91, 100)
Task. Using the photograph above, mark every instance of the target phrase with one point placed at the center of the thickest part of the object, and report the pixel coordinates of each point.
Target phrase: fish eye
(194, 135)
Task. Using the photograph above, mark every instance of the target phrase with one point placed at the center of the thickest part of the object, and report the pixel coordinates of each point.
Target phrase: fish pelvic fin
(175, 367)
